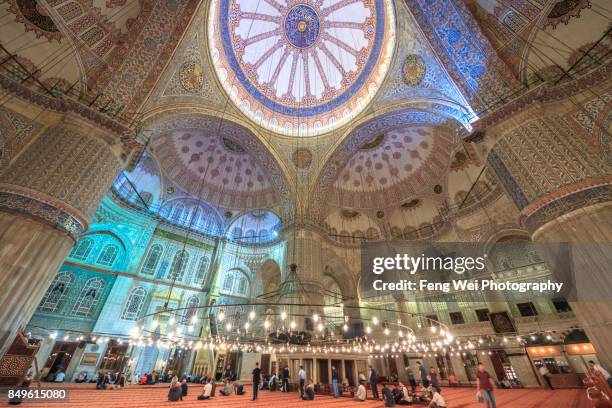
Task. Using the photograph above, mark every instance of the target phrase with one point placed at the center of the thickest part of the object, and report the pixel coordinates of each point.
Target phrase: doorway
(60, 357)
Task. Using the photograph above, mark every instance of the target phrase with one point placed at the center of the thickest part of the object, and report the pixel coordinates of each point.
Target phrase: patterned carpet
(85, 396)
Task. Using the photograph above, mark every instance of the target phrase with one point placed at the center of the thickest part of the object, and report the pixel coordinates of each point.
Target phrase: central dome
(300, 67)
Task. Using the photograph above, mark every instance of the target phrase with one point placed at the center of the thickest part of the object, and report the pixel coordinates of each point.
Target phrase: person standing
(335, 378)
(302, 378)
(546, 375)
(256, 380)
(374, 383)
(423, 374)
(285, 378)
(485, 385)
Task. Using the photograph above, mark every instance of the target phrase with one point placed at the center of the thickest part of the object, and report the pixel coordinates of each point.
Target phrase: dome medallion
(301, 67)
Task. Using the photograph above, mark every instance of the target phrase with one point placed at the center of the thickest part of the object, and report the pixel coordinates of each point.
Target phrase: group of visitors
(109, 380)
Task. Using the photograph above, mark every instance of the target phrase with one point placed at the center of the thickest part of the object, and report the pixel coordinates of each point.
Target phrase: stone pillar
(561, 186)
(47, 195)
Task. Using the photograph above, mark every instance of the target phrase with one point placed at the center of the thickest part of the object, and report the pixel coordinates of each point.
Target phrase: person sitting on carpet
(309, 393)
(388, 396)
(184, 387)
(404, 397)
(174, 393)
(238, 387)
(206, 393)
(361, 392)
(227, 388)
(437, 401)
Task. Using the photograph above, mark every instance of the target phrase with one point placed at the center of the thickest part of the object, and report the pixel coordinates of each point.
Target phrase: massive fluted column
(48, 193)
(561, 185)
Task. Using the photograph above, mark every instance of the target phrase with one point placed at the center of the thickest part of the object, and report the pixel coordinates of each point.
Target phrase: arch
(179, 265)
(108, 255)
(270, 275)
(319, 197)
(202, 270)
(134, 304)
(88, 298)
(161, 123)
(56, 293)
(193, 214)
(153, 257)
(82, 249)
(236, 282)
(192, 308)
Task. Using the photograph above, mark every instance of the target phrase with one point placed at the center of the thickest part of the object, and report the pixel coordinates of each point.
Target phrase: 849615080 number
(36, 394)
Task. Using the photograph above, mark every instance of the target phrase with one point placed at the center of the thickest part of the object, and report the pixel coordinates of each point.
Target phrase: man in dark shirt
(423, 373)
(374, 383)
(285, 378)
(256, 380)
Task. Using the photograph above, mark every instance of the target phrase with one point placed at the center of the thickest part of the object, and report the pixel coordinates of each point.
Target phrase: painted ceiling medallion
(301, 67)
(414, 70)
(301, 158)
(191, 76)
(34, 16)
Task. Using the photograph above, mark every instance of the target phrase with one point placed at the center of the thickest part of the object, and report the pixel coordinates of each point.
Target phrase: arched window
(152, 260)
(108, 255)
(202, 269)
(178, 212)
(235, 282)
(134, 304)
(228, 282)
(192, 309)
(179, 264)
(55, 295)
(88, 298)
(242, 285)
(82, 249)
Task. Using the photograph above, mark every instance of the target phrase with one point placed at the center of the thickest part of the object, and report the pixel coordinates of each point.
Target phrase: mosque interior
(190, 185)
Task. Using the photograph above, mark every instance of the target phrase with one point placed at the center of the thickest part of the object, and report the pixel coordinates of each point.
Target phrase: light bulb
(172, 320)
(386, 332)
(221, 316)
(315, 317)
(267, 324)
(368, 329)
(292, 324)
(53, 335)
(320, 327)
(345, 327)
(283, 315)
(228, 327)
(247, 325)
(251, 315)
(375, 320)
(194, 319)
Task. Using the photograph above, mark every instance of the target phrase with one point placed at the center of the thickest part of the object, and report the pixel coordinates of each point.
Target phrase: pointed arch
(55, 295)
(134, 304)
(88, 298)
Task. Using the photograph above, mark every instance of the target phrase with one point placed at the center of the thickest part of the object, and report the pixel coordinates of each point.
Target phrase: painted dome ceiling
(301, 67)
(215, 168)
(393, 166)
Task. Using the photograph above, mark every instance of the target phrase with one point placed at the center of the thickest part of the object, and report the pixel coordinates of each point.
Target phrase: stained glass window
(152, 260)
(108, 255)
(88, 298)
(55, 295)
(82, 249)
(202, 269)
(134, 305)
(179, 264)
